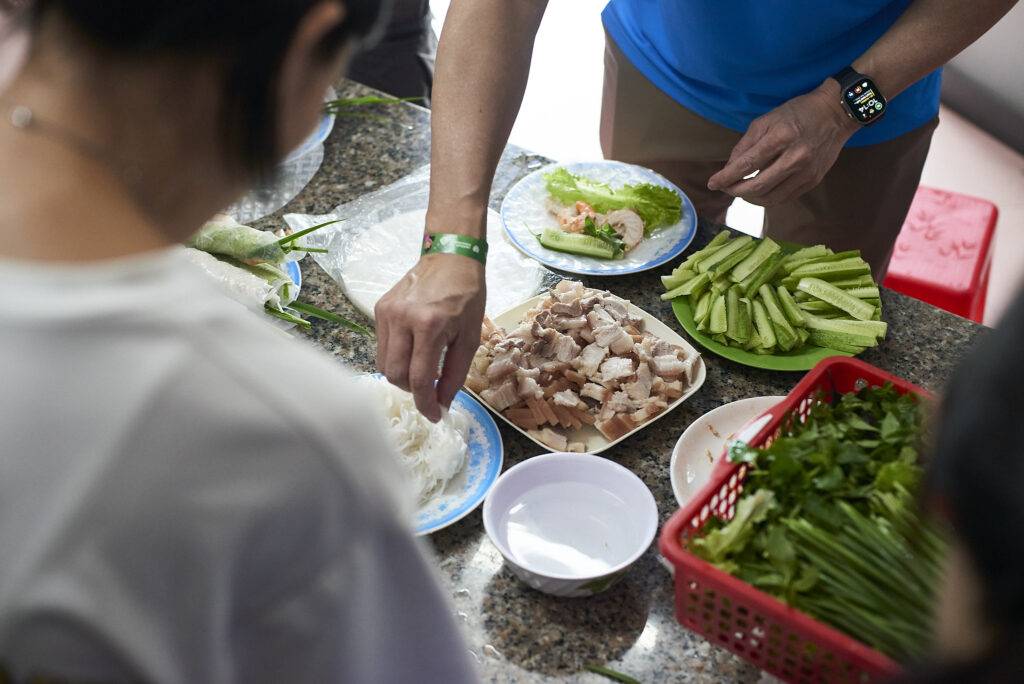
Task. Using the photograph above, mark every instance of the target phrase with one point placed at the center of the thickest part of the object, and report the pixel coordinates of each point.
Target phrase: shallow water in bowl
(570, 529)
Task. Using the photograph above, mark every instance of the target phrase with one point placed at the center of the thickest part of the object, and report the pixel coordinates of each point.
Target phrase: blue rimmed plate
(314, 139)
(525, 215)
(467, 489)
(293, 271)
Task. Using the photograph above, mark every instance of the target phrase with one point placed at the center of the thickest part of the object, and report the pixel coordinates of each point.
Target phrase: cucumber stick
(763, 325)
(737, 316)
(717, 320)
(724, 253)
(676, 278)
(796, 317)
(575, 243)
(785, 336)
(709, 249)
(694, 286)
(857, 308)
(760, 254)
(752, 295)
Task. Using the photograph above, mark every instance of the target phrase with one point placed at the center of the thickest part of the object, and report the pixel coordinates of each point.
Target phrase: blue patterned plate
(525, 214)
(314, 139)
(292, 269)
(468, 488)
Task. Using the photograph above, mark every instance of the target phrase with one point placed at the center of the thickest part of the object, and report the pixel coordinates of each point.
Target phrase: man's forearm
(483, 61)
(926, 36)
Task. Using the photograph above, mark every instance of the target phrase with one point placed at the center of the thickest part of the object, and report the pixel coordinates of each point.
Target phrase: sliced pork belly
(527, 386)
(504, 363)
(590, 359)
(628, 224)
(640, 389)
(594, 391)
(503, 396)
(555, 440)
(616, 368)
(568, 398)
(614, 337)
(667, 366)
(564, 348)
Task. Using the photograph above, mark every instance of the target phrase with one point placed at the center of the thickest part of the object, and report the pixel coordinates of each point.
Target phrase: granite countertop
(517, 634)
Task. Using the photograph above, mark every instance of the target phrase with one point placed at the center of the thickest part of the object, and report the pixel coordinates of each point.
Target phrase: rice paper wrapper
(244, 285)
(379, 240)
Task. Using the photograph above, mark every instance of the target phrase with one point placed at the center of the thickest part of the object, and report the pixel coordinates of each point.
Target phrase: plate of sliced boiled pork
(579, 369)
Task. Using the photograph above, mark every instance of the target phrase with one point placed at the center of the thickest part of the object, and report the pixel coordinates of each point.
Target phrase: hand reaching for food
(435, 309)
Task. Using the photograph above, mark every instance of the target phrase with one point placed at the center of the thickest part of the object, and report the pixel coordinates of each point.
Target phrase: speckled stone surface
(515, 633)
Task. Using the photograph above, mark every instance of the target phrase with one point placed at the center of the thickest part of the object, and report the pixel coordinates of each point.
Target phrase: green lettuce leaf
(656, 205)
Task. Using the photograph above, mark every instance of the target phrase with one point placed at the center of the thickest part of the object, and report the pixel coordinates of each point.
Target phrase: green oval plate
(798, 360)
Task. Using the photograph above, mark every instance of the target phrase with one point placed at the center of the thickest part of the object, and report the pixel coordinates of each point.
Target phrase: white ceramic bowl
(570, 524)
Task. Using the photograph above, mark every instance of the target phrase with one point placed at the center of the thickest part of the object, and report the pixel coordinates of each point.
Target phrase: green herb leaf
(656, 205)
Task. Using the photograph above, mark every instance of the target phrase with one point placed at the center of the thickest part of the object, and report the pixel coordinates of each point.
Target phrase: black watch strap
(844, 74)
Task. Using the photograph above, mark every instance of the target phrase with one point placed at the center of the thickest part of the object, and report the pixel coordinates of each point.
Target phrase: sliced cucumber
(737, 315)
(793, 313)
(709, 249)
(760, 254)
(724, 253)
(717, 320)
(676, 278)
(763, 326)
(785, 336)
(575, 243)
(694, 286)
(857, 308)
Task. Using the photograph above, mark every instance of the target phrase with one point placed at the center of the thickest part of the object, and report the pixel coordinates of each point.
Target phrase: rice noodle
(431, 453)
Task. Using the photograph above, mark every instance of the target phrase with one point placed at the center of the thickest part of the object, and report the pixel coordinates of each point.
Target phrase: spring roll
(224, 236)
(256, 287)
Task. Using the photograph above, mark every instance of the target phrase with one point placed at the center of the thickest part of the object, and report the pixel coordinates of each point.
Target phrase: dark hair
(248, 38)
(977, 467)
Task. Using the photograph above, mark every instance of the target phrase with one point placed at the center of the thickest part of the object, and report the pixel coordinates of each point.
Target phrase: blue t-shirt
(731, 61)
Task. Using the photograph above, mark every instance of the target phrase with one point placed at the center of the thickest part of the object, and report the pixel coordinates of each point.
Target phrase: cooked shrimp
(571, 219)
(628, 224)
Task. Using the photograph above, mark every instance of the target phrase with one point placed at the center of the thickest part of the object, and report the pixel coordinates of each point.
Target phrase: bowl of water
(570, 524)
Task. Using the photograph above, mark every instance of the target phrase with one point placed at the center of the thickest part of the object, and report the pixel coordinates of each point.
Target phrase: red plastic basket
(755, 626)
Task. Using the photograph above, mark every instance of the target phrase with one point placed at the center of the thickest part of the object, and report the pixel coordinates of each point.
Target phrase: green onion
(317, 312)
(340, 107)
(611, 674)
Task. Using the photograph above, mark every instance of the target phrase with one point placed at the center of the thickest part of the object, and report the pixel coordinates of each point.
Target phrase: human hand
(439, 303)
(791, 148)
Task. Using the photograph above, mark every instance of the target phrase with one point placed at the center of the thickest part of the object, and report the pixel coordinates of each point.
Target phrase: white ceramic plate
(702, 444)
(594, 441)
(525, 214)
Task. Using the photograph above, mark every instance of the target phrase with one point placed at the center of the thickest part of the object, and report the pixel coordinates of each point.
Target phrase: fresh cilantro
(828, 521)
(605, 234)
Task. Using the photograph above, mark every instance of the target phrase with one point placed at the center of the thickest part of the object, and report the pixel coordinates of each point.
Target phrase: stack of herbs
(829, 523)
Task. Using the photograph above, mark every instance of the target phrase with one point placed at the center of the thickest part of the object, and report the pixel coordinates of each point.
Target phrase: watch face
(864, 101)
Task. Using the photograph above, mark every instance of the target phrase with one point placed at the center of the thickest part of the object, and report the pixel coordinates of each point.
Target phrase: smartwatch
(860, 97)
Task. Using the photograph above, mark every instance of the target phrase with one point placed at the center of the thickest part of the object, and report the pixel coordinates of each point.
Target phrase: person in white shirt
(186, 494)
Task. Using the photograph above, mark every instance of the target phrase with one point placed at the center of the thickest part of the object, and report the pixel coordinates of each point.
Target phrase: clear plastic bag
(379, 238)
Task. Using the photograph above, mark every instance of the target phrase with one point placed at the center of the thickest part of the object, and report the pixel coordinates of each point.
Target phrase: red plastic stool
(943, 254)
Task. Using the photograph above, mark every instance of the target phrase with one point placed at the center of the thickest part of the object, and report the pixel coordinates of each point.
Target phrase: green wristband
(449, 243)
